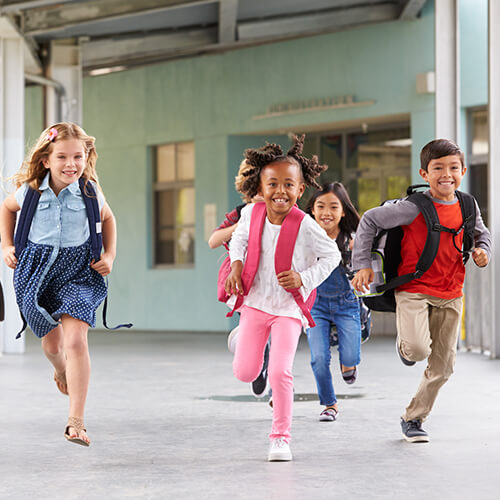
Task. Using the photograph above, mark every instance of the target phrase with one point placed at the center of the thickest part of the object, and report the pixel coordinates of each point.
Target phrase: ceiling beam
(45, 21)
(412, 10)
(228, 14)
(130, 51)
(7, 6)
(317, 22)
(8, 29)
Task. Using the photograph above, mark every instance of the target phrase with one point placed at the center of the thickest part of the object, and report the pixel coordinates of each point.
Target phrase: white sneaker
(279, 451)
(232, 339)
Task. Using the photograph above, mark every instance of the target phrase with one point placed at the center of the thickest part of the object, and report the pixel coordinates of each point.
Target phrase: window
(373, 162)
(478, 159)
(174, 205)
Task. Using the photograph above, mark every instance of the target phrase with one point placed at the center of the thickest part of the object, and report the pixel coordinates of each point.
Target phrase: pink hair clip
(52, 134)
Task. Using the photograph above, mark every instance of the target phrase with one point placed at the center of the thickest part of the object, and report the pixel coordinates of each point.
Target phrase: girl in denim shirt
(58, 286)
(335, 302)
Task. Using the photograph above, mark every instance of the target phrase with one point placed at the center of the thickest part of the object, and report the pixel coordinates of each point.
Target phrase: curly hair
(259, 158)
(33, 171)
(240, 179)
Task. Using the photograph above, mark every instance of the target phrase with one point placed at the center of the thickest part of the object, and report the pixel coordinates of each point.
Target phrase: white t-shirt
(315, 256)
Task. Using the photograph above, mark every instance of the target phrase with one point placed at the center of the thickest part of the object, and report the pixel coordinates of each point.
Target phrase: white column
(447, 69)
(12, 152)
(65, 68)
(494, 167)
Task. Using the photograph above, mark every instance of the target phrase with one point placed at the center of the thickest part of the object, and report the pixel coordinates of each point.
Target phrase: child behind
(428, 309)
(222, 236)
(268, 308)
(335, 302)
(58, 286)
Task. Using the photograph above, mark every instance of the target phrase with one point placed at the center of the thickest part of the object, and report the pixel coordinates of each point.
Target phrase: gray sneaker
(413, 432)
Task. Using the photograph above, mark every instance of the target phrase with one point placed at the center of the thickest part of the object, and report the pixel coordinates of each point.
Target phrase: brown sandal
(61, 382)
(77, 424)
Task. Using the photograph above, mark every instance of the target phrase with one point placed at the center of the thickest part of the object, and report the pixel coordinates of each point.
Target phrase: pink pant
(254, 331)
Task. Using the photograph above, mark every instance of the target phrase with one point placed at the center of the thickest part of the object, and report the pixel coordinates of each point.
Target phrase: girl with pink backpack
(278, 258)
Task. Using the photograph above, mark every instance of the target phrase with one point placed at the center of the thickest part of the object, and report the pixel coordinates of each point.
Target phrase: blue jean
(343, 310)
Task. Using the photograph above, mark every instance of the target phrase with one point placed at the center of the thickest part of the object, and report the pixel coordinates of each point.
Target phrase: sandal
(77, 424)
(61, 382)
(349, 376)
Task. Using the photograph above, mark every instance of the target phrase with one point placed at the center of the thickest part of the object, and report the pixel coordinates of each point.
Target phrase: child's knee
(245, 373)
(320, 361)
(76, 345)
(52, 349)
(414, 351)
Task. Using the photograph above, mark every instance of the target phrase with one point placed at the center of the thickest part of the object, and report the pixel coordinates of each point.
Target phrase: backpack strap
(89, 196)
(28, 210)
(2, 304)
(284, 254)
(257, 221)
(468, 207)
(428, 210)
(25, 219)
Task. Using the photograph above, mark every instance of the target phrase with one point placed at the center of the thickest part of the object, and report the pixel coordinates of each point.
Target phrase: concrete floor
(168, 420)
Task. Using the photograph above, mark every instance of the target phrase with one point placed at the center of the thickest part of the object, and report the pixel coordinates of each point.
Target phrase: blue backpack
(93, 214)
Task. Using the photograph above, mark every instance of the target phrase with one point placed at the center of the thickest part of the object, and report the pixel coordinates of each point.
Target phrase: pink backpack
(282, 259)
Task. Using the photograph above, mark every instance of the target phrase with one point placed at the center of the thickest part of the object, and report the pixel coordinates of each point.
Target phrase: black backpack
(28, 210)
(387, 246)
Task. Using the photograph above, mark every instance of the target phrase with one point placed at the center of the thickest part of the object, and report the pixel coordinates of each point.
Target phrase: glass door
(374, 165)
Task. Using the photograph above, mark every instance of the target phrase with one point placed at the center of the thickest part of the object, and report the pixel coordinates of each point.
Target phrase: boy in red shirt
(428, 309)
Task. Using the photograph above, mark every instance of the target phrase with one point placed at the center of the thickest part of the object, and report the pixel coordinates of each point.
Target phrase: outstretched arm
(219, 236)
(7, 224)
(105, 264)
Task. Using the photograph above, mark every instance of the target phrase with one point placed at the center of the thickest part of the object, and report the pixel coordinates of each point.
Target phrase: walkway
(169, 421)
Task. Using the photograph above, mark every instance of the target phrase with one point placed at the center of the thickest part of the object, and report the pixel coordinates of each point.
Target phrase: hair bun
(261, 157)
(297, 146)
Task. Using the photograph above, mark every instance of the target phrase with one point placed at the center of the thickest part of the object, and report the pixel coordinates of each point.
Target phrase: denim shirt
(59, 221)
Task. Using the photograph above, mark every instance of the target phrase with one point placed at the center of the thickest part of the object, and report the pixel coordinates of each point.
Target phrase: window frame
(473, 161)
(175, 186)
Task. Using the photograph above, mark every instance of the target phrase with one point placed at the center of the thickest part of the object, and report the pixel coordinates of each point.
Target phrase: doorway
(373, 163)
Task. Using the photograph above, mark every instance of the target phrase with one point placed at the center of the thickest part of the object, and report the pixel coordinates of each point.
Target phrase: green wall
(212, 100)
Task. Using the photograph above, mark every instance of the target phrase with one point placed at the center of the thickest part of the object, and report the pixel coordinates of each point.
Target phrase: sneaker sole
(326, 419)
(417, 439)
(279, 458)
(231, 344)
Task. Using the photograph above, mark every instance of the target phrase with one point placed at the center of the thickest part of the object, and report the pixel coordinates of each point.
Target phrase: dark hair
(349, 222)
(261, 157)
(437, 149)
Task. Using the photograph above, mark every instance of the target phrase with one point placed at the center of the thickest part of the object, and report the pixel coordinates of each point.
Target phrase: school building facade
(170, 138)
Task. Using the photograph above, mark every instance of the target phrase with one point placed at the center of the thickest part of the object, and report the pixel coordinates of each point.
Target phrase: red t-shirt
(445, 277)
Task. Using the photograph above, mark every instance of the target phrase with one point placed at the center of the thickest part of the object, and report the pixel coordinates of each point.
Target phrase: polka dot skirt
(68, 286)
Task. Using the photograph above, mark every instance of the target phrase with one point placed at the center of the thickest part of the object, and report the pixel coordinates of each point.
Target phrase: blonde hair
(241, 178)
(33, 170)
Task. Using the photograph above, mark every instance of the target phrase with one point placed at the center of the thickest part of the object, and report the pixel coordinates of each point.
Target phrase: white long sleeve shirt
(315, 256)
